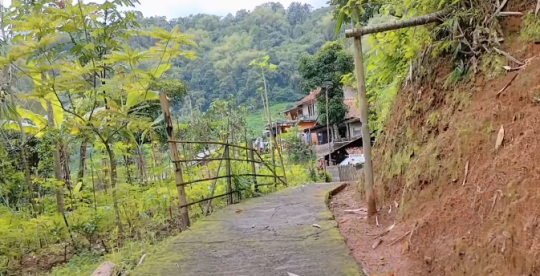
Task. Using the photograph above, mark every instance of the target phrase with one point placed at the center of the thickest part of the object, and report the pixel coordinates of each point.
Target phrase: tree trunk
(66, 175)
(64, 158)
(140, 164)
(60, 202)
(182, 200)
(127, 162)
(26, 167)
(105, 169)
(113, 174)
(82, 161)
(272, 132)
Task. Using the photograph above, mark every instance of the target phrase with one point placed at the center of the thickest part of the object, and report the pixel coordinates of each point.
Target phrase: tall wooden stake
(366, 136)
(361, 79)
(182, 200)
(229, 175)
(253, 169)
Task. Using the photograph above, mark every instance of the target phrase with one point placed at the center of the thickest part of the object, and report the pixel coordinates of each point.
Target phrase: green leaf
(136, 98)
(38, 120)
(340, 20)
(162, 68)
(77, 188)
(58, 111)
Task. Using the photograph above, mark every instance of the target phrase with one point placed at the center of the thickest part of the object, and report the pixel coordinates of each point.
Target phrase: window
(311, 110)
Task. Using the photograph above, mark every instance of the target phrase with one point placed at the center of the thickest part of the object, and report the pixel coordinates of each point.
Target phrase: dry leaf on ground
(500, 138)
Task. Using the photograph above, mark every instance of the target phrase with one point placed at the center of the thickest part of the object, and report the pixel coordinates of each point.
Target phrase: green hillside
(256, 121)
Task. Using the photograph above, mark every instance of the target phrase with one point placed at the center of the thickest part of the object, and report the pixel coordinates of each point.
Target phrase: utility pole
(361, 83)
(326, 85)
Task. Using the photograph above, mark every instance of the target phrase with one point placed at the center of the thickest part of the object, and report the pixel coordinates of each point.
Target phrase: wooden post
(182, 200)
(253, 169)
(93, 182)
(361, 83)
(229, 175)
(366, 137)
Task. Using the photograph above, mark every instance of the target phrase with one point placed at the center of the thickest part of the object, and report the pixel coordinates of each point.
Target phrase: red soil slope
(482, 223)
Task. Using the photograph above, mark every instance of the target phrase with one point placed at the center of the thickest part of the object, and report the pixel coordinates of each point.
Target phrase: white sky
(177, 8)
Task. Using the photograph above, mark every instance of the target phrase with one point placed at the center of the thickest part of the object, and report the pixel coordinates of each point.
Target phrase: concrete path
(265, 236)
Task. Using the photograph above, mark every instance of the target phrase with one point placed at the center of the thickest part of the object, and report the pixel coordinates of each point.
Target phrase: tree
(326, 69)
(94, 75)
(264, 66)
(366, 9)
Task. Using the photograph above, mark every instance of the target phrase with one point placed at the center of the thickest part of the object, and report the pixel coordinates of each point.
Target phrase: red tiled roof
(309, 98)
(354, 110)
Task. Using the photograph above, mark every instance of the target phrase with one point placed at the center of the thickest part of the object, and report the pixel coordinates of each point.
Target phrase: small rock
(253, 226)
(428, 260)
(105, 269)
(382, 258)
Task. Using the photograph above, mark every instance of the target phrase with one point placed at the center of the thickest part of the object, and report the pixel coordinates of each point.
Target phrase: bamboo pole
(182, 200)
(366, 137)
(361, 83)
(253, 169)
(412, 22)
(229, 176)
(236, 146)
(213, 188)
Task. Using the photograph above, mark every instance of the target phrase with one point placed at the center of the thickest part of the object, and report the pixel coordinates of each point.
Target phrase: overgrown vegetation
(84, 163)
(406, 55)
(531, 28)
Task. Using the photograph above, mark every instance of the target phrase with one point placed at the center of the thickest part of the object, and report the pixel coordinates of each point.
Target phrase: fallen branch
(508, 56)
(376, 244)
(385, 231)
(356, 211)
(400, 238)
(537, 8)
(500, 6)
(509, 13)
(495, 197)
(507, 85)
(141, 260)
(466, 173)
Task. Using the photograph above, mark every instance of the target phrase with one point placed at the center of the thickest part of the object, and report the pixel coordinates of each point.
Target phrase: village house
(304, 116)
(350, 128)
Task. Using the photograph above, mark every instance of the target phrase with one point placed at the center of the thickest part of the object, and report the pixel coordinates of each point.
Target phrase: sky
(177, 8)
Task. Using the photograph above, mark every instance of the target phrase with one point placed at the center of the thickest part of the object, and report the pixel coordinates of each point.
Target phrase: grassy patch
(531, 28)
(434, 118)
(257, 120)
(492, 65)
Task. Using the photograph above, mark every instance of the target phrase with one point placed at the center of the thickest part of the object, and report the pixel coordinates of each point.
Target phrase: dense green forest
(226, 46)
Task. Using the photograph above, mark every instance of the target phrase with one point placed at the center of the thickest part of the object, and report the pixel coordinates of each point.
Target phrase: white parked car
(353, 159)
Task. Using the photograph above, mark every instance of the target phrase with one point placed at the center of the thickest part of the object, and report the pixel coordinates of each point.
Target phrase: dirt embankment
(471, 199)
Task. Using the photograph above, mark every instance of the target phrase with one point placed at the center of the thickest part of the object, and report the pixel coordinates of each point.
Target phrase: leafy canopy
(326, 69)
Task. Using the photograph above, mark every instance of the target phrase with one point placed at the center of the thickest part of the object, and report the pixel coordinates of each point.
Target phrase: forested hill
(226, 46)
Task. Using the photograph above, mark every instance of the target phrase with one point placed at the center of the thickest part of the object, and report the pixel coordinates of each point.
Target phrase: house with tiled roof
(349, 128)
(304, 116)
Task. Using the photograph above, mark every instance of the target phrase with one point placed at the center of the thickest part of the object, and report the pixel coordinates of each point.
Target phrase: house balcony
(307, 118)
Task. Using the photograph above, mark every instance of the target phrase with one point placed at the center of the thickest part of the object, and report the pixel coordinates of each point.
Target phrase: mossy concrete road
(265, 236)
